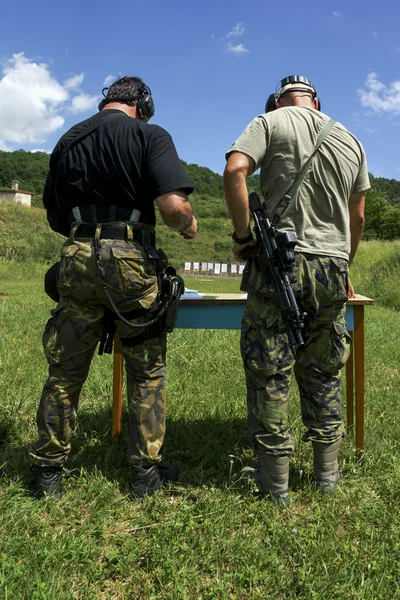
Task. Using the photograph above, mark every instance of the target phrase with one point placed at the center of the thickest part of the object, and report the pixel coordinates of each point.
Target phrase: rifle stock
(278, 250)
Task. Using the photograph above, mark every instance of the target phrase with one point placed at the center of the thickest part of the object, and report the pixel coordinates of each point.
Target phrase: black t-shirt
(123, 162)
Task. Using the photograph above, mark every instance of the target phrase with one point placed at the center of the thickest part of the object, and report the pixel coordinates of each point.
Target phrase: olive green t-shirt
(280, 142)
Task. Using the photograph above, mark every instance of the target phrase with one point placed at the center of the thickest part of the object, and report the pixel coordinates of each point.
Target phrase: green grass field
(207, 537)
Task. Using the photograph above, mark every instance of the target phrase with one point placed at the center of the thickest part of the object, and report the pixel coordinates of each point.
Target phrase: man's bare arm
(356, 213)
(238, 168)
(176, 212)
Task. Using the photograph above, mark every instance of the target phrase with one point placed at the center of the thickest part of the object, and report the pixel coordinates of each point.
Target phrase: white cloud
(33, 103)
(375, 34)
(73, 82)
(372, 82)
(337, 15)
(29, 99)
(238, 30)
(109, 79)
(380, 98)
(83, 103)
(239, 49)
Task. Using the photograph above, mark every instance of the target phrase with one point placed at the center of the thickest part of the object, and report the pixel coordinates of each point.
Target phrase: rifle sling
(286, 199)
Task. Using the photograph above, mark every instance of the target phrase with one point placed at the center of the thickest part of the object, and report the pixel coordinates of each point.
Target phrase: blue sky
(210, 65)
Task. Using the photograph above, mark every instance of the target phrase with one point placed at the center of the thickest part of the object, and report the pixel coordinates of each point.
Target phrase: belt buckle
(117, 231)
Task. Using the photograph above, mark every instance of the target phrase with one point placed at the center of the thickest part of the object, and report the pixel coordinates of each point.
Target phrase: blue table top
(225, 311)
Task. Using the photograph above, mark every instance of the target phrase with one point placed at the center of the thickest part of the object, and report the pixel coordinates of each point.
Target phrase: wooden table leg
(117, 388)
(359, 374)
(350, 386)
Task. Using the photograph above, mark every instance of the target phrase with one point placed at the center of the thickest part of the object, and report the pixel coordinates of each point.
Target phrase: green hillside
(25, 235)
(30, 169)
(389, 187)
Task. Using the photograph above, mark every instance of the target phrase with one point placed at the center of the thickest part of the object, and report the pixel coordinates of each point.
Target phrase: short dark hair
(127, 90)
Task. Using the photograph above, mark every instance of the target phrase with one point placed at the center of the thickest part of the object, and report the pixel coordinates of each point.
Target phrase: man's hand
(176, 212)
(237, 250)
(351, 290)
(190, 232)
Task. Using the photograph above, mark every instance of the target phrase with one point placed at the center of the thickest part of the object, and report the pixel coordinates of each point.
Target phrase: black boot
(145, 481)
(272, 477)
(326, 466)
(47, 482)
(148, 480)
(168, 472)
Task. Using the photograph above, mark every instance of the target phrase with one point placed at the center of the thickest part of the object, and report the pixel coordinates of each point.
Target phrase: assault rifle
(278, 250)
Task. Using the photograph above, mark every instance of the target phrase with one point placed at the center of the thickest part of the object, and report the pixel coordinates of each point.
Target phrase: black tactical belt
(115, 231)
(93, 213)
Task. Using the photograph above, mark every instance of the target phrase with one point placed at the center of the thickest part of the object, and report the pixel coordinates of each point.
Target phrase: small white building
(16, 195)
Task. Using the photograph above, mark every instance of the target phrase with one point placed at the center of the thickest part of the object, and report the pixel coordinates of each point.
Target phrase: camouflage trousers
(72, 334)
(321, 288)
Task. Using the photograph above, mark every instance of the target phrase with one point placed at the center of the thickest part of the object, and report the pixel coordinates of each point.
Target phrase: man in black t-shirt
(105, 174)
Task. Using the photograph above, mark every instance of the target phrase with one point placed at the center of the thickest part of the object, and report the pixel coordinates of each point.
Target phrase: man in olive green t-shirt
(327, 217)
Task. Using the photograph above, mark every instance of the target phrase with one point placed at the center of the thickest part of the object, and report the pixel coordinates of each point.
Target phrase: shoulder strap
(286, 199)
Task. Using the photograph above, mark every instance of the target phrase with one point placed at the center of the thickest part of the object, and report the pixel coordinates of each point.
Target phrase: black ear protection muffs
(291, 79)
(145, 104)
(270, 103)
(102, 102)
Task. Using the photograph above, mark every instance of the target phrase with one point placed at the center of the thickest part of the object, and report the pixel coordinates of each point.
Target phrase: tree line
(382, 211)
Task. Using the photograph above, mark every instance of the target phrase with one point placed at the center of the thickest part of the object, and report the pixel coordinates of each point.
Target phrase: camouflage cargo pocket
(341, 278)
(67, 254)
(341, 343)
(50, 343)
(130, 273)
(264, 348)
(329, 350)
